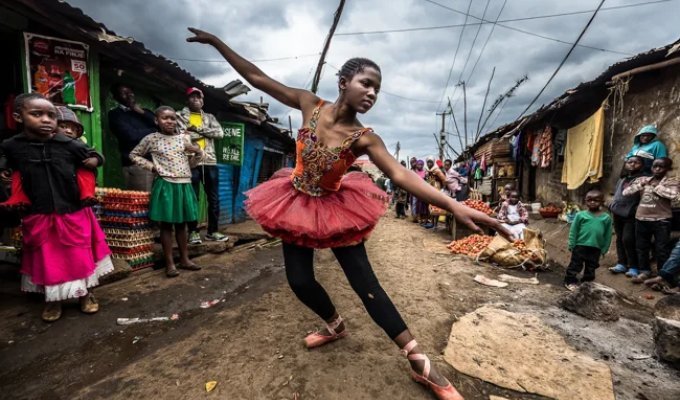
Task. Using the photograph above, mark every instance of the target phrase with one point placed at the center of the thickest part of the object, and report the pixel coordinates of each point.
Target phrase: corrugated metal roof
(595, 91)
(127, 52)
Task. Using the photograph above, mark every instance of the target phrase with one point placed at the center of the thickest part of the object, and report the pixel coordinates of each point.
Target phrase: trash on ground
(208, 304)
(517, 279)
(132, 321)
(489, 282)
(210, 386)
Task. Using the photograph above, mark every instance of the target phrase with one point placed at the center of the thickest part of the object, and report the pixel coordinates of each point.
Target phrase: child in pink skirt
(64, 249)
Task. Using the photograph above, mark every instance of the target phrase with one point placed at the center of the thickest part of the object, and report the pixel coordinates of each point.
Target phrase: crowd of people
(52, 179)
(640, 215)
(170, 154)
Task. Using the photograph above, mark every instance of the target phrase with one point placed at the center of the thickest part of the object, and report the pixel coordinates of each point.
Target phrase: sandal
(190, 267)
(171, 272)
(447, 392)
(642, 276)
(316, 339)
(669, 290)
(52, 311)
(88, 304)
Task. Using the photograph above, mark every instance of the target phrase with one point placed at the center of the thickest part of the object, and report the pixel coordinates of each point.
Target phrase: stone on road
(519, 352)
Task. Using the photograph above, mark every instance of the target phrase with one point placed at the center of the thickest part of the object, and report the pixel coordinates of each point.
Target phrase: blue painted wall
(226, 193)
(252, 160)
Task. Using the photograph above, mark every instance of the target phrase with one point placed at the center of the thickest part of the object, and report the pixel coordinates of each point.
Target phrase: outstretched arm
(292, 97)
(372, 145)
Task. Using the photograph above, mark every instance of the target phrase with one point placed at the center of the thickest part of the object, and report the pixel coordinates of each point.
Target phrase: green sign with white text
(229, 149)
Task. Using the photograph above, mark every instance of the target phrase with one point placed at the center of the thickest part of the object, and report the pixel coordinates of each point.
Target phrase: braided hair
(21, 100)
(354, 66)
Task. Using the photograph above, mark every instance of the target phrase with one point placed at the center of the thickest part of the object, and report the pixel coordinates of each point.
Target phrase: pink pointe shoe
(316, 339)
(447, 392)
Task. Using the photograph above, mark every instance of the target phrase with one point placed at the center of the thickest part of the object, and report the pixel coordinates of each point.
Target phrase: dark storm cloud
(415, 64)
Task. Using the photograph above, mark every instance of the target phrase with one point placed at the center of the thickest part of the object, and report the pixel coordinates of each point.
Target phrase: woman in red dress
(318, 205)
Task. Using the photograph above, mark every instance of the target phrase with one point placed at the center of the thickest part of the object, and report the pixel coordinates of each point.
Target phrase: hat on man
(193, 90)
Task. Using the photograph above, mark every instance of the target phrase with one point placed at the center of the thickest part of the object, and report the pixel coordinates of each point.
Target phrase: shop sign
(229, 149)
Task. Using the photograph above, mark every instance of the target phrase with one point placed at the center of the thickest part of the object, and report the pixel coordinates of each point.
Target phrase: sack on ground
(528, 254)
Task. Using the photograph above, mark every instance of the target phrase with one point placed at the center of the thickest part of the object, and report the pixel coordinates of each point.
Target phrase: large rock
(593, 301)
(667, 329)
(519, 352)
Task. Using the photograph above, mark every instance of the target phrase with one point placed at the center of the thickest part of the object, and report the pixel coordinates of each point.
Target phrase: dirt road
(250, 341)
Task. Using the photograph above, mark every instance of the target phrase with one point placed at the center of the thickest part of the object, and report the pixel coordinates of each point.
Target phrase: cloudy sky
(285, 37)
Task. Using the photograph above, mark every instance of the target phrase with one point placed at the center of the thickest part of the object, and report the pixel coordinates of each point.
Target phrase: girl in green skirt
(173, 202)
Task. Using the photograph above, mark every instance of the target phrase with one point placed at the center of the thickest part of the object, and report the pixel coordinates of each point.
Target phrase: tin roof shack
(644, 89)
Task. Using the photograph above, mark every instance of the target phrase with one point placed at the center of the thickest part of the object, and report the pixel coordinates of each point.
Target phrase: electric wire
(564, 60)
(460, 39)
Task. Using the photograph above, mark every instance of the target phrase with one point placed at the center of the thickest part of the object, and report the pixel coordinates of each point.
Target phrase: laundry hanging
(583, 152)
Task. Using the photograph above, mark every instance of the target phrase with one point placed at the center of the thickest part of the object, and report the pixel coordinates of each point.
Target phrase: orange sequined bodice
(319, 169)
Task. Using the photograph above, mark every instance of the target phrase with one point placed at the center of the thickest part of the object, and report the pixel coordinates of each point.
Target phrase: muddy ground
(250, 342)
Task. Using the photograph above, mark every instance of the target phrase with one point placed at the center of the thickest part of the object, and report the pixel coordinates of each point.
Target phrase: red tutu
(336, 219)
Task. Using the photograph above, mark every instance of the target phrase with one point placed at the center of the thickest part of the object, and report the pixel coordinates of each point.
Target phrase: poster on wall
(57, 69)
(229, 149)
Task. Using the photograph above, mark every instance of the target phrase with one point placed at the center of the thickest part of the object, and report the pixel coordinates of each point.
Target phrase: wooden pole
(481, 112)
(322, 59)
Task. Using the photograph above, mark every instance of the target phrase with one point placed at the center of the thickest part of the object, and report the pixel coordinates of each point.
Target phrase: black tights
(354, 262)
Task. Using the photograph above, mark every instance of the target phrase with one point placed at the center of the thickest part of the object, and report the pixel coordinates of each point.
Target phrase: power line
(407, 98)
(460, 39)
(521, 30)
(564, 59)
(382, 91)
(479, 27)
(261, 60)
(480, 53)
(484, 22)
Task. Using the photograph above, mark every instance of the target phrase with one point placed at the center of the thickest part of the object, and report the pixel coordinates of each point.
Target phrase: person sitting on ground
(623, 211)
(68, 125)
(514, 215)
(648, 146)
(503, 195)
(589, 239)
(653, 216)
(668, 280)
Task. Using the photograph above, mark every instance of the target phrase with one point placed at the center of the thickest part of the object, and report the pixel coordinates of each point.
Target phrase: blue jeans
(671, 269)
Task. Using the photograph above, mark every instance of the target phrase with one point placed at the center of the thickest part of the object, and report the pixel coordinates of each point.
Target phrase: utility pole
(465, 114)
(442, 133)
(322, 60)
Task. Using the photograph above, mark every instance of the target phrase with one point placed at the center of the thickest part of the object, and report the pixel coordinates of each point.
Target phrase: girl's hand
(470, 218)
(91, 162)
(201, 36)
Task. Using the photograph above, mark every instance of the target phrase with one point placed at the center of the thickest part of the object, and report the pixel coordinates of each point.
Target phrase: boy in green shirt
(589, 238)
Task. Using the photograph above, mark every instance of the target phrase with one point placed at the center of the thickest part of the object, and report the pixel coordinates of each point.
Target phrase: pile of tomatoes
(479, 206)
(551, 209)
(470, 245)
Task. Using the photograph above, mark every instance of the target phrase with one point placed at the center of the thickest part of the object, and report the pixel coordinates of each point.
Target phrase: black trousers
(626, 252)
(583, 256)
(644, 232)
(207, 174)
(401, 209)
(354, 262)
